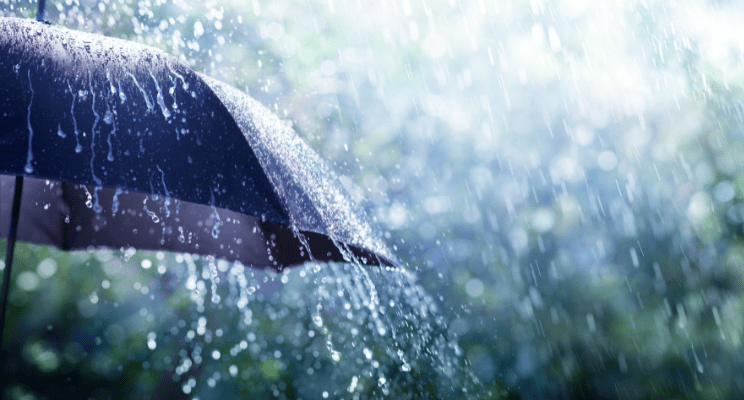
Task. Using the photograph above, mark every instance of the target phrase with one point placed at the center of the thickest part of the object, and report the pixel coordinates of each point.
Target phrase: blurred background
(562, 178)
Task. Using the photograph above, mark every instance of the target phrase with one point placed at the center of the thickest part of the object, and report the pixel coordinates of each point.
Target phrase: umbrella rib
(9, 252)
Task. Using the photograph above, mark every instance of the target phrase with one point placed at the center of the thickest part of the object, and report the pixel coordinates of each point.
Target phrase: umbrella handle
(9, 252)
(40, 13)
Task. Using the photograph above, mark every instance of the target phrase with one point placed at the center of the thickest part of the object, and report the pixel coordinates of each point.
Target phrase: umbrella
(108, 143)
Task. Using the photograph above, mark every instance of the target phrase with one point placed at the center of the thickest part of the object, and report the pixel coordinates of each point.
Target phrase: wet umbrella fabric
(122, 146)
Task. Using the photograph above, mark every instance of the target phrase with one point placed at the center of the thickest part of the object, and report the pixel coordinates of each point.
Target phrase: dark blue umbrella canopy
(126, 147)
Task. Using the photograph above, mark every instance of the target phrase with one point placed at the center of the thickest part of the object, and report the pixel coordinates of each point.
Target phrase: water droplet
(89, 198)
(108, 118)
(115, 203)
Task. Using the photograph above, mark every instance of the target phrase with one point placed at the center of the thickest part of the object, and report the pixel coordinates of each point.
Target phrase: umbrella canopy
(127, 147)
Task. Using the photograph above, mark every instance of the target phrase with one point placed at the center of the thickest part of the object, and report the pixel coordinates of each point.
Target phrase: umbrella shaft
(40, 13)
(9, 252)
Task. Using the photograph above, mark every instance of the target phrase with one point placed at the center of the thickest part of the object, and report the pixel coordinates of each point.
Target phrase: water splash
(148, 101)
(78, 148)
(161, 100)
(217, 222)
(29, 168)
(167, 193)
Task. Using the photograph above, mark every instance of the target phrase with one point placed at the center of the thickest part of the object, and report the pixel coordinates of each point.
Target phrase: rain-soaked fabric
(87, 109)
(107, 114)
(312, 195)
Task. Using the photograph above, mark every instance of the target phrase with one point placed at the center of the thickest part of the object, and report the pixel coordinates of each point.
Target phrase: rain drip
(318, 319)
(144, 94)
(60, 133)
(167, 193)
(110, 155)
(161, 100)
(303, 242)
(193, 278)
(155, 196)
(172, 92)
(29, 168)
(78, 148)
(217, 223)
(214, 278)
(184, 85)
(110, 119)
(115, 202)
(152, 215)
(110, 81)
(89, 198)
(96, 207)
(122, 95)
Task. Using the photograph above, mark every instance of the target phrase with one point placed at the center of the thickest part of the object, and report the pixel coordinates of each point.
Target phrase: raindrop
(60, 133)
(89, 198)
(108, 118)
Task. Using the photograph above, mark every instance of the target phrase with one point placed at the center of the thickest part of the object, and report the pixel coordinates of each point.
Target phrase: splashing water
(339, 333)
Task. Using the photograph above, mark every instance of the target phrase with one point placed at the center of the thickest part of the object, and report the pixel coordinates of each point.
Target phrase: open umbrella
(122, 146)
